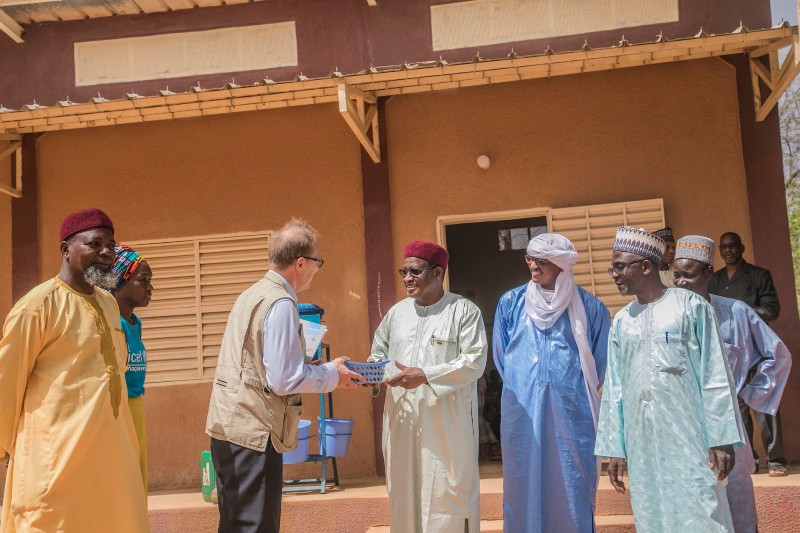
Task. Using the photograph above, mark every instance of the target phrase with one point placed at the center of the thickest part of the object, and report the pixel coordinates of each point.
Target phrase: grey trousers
(771, 435)
(249, 488)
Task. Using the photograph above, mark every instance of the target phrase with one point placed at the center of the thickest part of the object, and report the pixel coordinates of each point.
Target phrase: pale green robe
(430, 434)
(669, 397)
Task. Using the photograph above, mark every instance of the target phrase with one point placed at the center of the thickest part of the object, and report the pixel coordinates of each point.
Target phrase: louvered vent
(592, 230)
(195, 284)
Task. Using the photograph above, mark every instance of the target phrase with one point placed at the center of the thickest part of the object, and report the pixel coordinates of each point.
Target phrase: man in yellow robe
(74, 458)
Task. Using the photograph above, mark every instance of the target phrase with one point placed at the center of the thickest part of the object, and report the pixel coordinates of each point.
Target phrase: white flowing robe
(430, 434)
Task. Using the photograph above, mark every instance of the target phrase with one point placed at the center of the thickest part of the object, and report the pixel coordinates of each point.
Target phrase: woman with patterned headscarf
(134, 289)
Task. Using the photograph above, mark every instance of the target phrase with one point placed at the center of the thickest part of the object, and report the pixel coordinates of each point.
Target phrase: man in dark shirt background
(752, 285)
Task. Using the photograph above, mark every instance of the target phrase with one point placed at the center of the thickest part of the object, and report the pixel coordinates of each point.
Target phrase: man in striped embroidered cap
(753, 349)
(74, 459)
(668, 405)
(668, 257)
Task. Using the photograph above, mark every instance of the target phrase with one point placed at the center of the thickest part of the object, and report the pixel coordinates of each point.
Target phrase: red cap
(83, 220)
(429, 251)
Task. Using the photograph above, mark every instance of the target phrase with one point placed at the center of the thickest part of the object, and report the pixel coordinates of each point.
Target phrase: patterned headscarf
(126, 264)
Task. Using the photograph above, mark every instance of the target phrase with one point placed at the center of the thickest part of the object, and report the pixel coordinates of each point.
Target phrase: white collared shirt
(284, 360)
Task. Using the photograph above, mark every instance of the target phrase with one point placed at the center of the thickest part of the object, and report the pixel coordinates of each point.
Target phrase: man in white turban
(550, 342)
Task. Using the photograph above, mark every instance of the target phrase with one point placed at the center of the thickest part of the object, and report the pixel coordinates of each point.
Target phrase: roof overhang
(387, 81)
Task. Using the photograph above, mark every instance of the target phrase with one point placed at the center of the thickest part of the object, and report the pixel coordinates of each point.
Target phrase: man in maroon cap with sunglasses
(437, 343)
(68, 432)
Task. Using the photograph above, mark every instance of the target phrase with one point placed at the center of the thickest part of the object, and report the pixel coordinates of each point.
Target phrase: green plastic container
(209, 477)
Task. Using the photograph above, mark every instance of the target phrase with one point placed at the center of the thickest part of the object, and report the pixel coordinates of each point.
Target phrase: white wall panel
(485, 22)
(176, 55)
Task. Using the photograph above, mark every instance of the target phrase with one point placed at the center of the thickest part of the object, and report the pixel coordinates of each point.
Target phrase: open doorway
(487, 258)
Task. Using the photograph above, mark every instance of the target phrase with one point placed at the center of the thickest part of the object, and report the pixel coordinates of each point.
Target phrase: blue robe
(749, 343)
(547, 433)
(668, 397)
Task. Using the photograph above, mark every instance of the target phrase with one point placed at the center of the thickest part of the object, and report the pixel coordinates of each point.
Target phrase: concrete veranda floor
(362, 506)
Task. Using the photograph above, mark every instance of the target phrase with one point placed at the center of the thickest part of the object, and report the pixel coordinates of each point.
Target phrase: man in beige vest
(255, 403)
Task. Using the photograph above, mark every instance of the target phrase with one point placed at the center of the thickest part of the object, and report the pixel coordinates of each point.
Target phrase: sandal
(778, 471)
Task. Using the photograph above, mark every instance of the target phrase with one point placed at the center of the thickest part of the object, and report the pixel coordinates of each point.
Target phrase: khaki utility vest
(243, 410)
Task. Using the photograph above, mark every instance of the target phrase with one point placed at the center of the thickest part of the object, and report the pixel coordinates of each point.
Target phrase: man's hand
(346, 376)
(616, 467)
(408, 377)
(723, 458)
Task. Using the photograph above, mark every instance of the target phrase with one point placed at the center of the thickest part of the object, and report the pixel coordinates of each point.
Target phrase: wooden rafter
(10, 27)
(360, 110)
(14, 148)
(772, 74)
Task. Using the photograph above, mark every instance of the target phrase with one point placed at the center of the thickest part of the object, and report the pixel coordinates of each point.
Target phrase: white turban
(560, 251)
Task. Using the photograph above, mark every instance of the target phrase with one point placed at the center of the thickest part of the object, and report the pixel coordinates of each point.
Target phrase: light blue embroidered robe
(547, 432)
(668, 397)
(749, 342)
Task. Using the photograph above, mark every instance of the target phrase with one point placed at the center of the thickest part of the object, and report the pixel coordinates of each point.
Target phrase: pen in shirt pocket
(666, 336)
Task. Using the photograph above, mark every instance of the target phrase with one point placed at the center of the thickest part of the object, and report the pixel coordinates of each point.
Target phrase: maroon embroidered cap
(83, 220)
(429, 251)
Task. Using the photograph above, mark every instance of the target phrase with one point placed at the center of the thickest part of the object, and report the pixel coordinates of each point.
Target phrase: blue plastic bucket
(337, 435)
(299, 454)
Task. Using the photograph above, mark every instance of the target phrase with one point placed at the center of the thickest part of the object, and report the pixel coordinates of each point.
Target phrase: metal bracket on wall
(360, 110)
(773, 74)
(14, 148)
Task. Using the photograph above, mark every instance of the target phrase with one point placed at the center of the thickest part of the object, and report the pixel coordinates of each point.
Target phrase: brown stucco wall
(668, 131)
(244, 172)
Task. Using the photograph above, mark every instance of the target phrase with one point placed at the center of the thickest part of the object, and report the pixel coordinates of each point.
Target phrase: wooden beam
(10, 27)
(359, 109)
(762, 72)
(777, 77)
(25, 225)
(10, 149)
(15, 150)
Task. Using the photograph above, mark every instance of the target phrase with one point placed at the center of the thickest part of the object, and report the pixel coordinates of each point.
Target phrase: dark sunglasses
(414, 271)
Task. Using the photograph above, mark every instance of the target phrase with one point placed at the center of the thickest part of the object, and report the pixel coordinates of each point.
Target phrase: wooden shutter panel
(196, 282)
(228, 265)
(592, 230)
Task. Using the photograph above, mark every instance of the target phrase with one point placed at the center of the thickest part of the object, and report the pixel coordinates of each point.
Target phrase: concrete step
(362, 505)
(605, 524)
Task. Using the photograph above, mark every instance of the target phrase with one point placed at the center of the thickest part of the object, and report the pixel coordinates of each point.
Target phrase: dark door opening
(486, 260)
